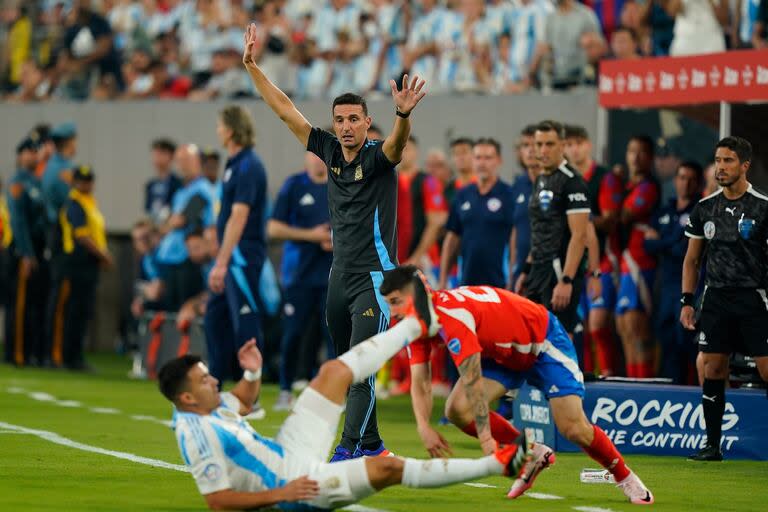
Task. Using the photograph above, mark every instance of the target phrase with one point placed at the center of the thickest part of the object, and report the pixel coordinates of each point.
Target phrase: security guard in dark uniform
(732, 224)
(25, 316)
(84, 248)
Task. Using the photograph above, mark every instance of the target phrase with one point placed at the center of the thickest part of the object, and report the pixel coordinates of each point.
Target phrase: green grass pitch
(37, 474)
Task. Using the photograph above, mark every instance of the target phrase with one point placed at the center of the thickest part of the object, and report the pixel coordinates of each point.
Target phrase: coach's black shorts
(539, 286)
(734, 320)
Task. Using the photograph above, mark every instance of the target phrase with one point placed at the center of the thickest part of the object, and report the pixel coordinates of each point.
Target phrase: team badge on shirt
(454, 346)
(545, 198)
(709, 230)
(358, 173)
(494, 204)
(745, 227)
(212, 472)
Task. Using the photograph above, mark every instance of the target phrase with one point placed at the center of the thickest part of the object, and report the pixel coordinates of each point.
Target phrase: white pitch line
(542, 496)
(68, 403)
(63, 441)
(55, 438)
(104, 410)
(41, 397)
(593, 509)
(481, 486)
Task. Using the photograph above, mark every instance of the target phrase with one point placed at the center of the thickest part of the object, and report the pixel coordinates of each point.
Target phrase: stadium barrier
(654, 419)
(160, 339)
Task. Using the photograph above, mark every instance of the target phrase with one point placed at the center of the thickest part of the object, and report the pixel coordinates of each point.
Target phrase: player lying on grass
(236, 468)
(498, 340)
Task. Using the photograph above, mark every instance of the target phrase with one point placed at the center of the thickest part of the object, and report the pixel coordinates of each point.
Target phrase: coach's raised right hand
(249, 52)
(301, 489)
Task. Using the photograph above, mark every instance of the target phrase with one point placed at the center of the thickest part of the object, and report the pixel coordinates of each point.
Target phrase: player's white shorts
(307, 437)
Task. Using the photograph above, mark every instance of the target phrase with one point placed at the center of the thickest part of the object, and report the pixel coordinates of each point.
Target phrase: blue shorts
(556, 371)
(607, 298)
(629, 298)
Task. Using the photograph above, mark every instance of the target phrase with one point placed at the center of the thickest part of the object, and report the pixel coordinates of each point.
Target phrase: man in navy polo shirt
(242, 244)
(302, 219)
(480, 223)
(521, 190)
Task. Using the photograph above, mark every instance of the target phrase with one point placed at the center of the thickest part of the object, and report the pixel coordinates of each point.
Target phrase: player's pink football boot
(514, 456)
(635, 490)
(543, 456)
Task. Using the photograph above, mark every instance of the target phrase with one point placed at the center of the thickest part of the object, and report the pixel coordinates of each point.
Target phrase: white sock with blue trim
(441, 472)
(367, 357)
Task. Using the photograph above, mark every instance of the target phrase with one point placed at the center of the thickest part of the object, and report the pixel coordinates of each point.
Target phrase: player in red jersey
(638, 268)
(498, 340)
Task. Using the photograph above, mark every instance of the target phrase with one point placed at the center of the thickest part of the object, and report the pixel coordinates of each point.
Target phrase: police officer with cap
(84, 248)
(25, 318)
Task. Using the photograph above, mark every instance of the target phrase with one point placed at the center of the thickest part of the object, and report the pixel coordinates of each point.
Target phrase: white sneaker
(299, 385)
(542, 457)
(284, 401)
(635, 490)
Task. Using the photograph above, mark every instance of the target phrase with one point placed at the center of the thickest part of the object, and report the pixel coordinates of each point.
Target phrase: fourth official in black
(732, 225)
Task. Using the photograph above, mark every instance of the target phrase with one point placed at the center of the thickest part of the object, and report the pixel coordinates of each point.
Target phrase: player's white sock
(442, 472)
(365, 358)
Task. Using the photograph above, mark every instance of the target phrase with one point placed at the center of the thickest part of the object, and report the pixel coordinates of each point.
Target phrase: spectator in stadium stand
(148, 287)
(698, 26)
(521, 191)
(654, 18)
(421, 212)
(28, 267)
(559, 212)
(665, 239)
(420, 56)
(745, 13)
(191, 210)
(242, 243)
(634, 305)
(572, 31)
(302, 220)
(624, 44)
(88, 45)
(760, 29)
(479, 226)
(525, 26)
(606, 192)
(159, 191)
(461, 157)
(19, 44)
(227, 80)
(84, 243)
(732, 226)
(362, 200)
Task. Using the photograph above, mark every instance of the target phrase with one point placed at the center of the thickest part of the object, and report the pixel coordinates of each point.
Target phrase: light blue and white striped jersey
(425, 30)
(749, 10)
(328, 22)
(222, 451)
(456, 69)
(525, 25)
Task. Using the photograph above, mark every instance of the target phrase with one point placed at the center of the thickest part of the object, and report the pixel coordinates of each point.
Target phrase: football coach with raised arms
(362, 198)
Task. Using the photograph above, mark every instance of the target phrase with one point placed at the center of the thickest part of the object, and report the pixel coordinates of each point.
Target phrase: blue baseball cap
(64, 131)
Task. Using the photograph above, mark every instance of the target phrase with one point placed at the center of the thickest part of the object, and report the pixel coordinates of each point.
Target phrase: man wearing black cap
(84, 247)
(25, 316)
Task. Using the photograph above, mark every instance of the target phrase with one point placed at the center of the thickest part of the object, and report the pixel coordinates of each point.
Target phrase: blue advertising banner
(532, 411)
(668, 420)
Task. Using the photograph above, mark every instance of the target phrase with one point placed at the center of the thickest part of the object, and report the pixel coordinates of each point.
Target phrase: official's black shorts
(734, 320)
(355, 310)
(539, 286)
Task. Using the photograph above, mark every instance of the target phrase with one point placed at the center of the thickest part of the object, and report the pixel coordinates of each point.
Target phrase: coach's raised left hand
(409, 95)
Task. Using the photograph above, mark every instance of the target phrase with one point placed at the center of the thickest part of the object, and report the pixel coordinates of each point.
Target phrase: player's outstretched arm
(272, 95)
(301, 489)
(249, 387)
(472, 378)
(421, 399)
(405, 100)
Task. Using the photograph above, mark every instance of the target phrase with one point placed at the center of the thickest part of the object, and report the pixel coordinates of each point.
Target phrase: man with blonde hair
(234, 279)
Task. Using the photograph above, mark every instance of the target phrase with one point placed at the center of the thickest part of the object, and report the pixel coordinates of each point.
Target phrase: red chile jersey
(642, 199)
(609, 199)
(480, 319)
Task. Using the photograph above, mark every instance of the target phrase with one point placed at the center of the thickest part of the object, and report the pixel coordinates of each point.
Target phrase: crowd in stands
(129, 49)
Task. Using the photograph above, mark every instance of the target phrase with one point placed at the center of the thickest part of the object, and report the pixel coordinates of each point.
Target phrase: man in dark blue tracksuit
(302, 219)
(666, 239)
(234, 279)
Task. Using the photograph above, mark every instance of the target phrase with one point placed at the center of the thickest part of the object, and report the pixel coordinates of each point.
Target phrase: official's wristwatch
(404, 115)
(566, 280)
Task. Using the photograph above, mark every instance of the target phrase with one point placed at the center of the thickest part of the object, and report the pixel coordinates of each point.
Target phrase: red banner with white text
(737, 76)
